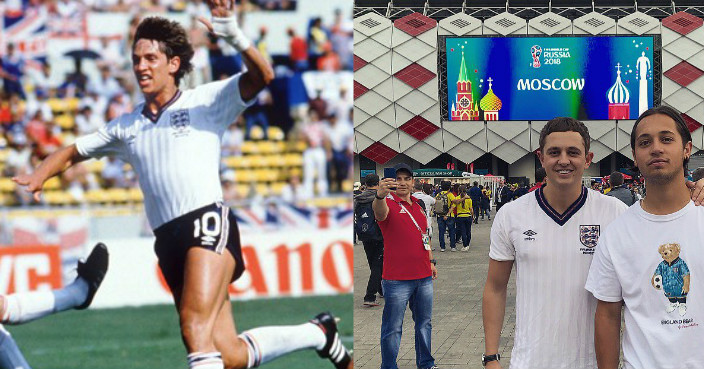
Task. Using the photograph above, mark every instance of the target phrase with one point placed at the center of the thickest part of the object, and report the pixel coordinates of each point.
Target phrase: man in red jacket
(409, 268)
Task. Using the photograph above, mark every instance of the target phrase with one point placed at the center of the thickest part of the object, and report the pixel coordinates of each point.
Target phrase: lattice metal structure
(396, 10)
(442, 78)
(657, 65)
(678, 55)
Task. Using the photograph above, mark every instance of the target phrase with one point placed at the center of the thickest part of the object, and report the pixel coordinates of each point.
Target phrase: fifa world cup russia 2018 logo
(536, 50)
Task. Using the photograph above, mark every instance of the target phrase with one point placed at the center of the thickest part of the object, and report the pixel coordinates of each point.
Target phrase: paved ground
(458, 336)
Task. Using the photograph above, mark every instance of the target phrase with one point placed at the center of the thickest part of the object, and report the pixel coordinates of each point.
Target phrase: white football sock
(205, 360)
(267, 343)
(27, 306)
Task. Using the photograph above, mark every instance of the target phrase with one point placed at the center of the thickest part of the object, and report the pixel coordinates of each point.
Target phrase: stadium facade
(399, 72)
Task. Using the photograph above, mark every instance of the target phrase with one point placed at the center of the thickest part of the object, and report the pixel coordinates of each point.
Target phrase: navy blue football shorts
(212, 227)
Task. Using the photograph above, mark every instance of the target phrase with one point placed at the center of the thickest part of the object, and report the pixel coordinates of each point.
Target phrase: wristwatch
(489, 358)
(380, 198)
(434, 261)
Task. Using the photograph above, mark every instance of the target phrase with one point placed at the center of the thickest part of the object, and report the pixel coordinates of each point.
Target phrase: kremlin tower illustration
(618, 96)
(466, 107)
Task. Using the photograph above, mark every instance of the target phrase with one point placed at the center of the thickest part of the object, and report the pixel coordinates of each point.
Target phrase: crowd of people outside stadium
(563, 208)
(473, 203)
(320, 131)
(607, 185)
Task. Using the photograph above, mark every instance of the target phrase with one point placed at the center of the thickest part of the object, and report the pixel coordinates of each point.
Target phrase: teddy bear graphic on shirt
(672, 276)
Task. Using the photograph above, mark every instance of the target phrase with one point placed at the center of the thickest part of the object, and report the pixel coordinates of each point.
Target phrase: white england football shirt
(657, 334)
(552, 253)
(176, 153)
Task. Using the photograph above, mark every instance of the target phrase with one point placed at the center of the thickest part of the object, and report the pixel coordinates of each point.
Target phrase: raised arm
(225, 25)
(494, 306)
(258, 75)
(51, 166)
(381, 209)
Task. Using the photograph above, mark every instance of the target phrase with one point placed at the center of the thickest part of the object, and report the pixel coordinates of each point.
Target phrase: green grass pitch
(148, 337)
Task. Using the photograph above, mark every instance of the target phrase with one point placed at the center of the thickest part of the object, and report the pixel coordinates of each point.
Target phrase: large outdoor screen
(539, 78)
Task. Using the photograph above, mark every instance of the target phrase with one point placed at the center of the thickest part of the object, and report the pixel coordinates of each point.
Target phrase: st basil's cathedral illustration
(618, 96)
(490, 104)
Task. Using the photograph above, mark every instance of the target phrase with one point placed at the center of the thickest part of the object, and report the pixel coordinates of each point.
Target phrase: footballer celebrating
(173, 142)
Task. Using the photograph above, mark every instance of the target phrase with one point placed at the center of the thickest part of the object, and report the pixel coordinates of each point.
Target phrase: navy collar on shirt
(560, 219)
(155, 117)
(673, 261)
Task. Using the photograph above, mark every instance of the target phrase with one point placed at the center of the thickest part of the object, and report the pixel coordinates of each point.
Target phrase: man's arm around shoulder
(458, 198)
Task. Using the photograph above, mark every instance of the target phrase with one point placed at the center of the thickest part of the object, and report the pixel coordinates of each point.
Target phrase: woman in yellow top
(485, 205)
(464, 217)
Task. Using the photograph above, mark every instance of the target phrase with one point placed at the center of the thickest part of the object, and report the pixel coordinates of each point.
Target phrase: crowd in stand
(30, 128)
(67, 7)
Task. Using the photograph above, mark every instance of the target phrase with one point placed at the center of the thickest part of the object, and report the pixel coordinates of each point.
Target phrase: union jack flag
(27, 29)
(286, 216)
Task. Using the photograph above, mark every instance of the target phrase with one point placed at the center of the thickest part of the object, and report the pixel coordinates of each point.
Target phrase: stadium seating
(4, 153)
(6, 185)
(264, 166)
(61, 106)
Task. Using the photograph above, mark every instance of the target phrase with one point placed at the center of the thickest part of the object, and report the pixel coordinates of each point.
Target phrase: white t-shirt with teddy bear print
(655, 264)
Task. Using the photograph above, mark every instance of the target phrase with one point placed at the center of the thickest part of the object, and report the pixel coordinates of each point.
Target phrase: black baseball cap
(403, 166)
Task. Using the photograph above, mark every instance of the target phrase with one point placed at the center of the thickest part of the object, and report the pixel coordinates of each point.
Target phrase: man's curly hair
(172, 39)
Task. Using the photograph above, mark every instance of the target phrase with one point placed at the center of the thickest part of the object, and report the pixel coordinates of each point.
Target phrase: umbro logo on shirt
(530, 233)
(208, 240)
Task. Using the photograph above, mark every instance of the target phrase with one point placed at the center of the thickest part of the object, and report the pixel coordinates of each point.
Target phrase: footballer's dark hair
(679, 123)
(564, 124)
(172, 39)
